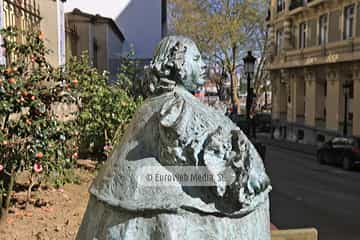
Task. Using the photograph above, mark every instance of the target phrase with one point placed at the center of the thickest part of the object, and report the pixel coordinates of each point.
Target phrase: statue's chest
(183, 132)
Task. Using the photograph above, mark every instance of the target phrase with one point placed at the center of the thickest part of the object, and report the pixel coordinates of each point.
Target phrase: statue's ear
(171, 111)
(179, 60)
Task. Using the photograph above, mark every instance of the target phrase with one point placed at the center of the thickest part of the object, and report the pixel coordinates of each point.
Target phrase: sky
(106, 8)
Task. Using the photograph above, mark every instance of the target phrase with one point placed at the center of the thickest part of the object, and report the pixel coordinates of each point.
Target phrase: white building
(143, 22)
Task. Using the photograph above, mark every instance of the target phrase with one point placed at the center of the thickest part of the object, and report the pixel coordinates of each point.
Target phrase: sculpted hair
(169, 58)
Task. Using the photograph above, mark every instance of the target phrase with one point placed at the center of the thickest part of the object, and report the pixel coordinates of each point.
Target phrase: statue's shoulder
(190, 106)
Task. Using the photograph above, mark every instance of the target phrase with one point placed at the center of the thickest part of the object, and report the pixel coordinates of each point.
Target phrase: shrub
(132, 78)
(103, 108)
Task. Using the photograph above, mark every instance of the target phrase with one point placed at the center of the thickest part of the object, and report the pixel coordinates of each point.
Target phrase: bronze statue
(174, 129)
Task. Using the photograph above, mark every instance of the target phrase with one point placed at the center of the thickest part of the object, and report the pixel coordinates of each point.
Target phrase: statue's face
(178, 59)
(195, 68)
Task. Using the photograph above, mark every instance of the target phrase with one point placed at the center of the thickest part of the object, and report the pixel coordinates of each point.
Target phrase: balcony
(314, 3)
(341, 51)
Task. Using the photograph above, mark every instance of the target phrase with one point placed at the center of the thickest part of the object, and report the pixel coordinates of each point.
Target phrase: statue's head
(177, 59)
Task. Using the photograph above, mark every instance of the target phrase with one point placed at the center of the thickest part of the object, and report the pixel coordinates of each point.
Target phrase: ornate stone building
(314, 49)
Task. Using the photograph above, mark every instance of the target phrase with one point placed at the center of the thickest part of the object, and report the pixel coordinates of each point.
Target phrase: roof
(98, 19)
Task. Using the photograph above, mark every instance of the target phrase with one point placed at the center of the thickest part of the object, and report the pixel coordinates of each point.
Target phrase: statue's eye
(197, 58)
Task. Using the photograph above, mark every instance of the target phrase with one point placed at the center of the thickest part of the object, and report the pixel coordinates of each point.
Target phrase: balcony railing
(312, 3)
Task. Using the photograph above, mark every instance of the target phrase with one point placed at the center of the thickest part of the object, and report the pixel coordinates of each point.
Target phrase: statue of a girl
(174, 129)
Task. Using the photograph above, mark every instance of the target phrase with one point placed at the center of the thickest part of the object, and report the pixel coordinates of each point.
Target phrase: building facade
(143, 22)
(99, 36)
(314, 64)
(44, 15)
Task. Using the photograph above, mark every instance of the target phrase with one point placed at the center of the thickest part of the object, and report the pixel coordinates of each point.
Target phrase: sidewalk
(292, 146)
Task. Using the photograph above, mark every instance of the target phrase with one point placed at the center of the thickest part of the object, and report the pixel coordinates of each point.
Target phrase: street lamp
(346, 86)
(249, 63)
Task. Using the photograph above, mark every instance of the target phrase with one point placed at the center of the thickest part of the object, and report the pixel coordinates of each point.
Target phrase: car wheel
(321, 158)
(347, 163)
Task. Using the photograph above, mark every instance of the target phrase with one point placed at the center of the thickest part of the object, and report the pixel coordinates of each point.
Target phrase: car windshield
(344, 141)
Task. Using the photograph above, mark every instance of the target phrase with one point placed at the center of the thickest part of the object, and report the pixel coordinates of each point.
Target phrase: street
(307, 194)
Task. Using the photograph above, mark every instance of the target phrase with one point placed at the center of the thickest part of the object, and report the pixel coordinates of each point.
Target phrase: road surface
(307, 194)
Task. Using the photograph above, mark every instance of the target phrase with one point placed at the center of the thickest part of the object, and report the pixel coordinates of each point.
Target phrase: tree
(217, 75)
(34, 137)
(223, 30)
(31, 136)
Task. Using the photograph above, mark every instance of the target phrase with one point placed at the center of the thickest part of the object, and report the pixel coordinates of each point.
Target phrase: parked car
(340, 150)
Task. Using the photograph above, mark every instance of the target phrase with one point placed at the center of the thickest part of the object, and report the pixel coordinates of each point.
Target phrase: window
(340, 141)
(296, 3)
(302, 35)
(351, 116)
(279, 41)
(349, 21)
(280, 5)
(323, 29)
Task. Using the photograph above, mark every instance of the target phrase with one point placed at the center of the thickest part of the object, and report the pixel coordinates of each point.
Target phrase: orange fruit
(75, 82)
(8, 70)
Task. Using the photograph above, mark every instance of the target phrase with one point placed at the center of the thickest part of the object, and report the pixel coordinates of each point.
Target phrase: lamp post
(346, 86)
(249, 63)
